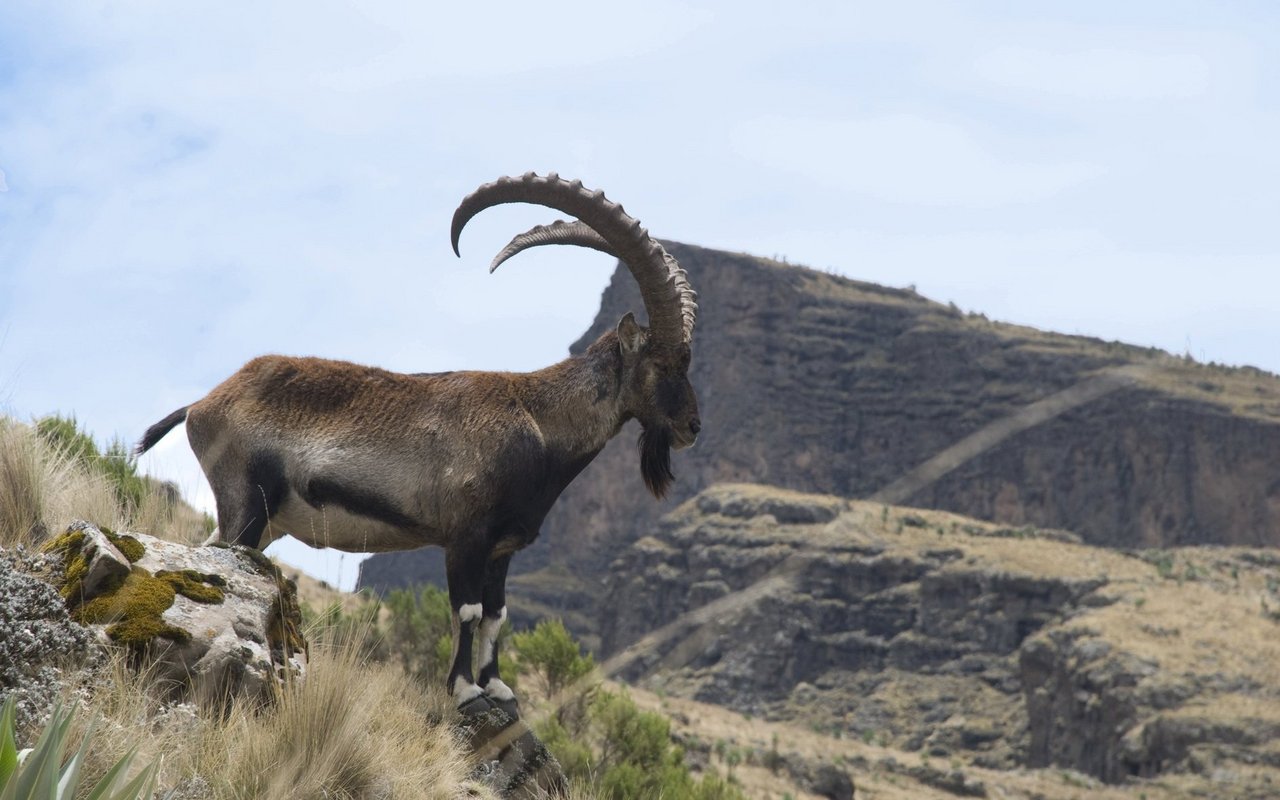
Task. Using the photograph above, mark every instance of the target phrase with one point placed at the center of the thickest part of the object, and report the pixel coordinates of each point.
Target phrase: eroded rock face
(940, 634)
(221, 621)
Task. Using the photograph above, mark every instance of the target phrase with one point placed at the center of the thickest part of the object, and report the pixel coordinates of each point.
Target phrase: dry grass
(352, 729)
(42, 489)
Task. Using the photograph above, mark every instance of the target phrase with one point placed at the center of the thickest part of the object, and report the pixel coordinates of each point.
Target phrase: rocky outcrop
(936, 633)
(221, 621)
(39, 643)
(510, 758)
(818, 383)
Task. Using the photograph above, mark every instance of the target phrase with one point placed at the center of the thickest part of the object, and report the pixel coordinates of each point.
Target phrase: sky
(184, 186)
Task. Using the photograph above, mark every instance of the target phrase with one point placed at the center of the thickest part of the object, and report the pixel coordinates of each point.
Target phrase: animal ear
(631, 337)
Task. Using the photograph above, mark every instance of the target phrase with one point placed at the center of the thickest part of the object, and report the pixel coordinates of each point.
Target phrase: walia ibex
(362, 459)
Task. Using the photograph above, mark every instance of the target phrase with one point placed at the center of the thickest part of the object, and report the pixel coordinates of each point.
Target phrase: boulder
(39, 642)
(215, 620)
(511, 760)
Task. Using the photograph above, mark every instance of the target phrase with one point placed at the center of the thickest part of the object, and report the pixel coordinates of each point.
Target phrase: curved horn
(558, 232)
(664, 287)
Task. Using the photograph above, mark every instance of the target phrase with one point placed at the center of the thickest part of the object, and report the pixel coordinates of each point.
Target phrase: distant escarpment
(819, 383)
(986, 645)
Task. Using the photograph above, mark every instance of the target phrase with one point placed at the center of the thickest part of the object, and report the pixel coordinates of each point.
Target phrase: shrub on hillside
(625, 753)
(551, 653)
(116, 465)
(419, 631)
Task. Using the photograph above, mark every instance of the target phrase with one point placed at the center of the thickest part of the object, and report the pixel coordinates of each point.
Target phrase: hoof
(475, 706)
(509, 707)
(501, 696)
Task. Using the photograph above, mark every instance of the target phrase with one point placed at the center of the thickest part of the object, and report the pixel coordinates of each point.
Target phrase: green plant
(419, 631)
(39, 773)
(116, 465)
(550, 652)
(638, 760)
(773, 760)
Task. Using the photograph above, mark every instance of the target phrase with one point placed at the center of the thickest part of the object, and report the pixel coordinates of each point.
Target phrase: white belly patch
(334, 526)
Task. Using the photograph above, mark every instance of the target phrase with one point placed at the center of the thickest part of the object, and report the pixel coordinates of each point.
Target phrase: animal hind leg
(465, 569)
(239, 522)
(246, 502)
(495, 613)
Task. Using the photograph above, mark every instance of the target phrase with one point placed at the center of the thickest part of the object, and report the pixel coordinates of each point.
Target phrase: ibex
(362, 459)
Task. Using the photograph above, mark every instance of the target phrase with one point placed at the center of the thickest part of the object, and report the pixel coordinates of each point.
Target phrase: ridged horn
(559, 232)
(664, 287)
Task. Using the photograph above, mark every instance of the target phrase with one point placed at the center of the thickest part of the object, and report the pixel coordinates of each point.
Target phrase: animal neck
(577, 402)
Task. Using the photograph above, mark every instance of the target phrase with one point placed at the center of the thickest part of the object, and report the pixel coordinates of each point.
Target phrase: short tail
(156, 432)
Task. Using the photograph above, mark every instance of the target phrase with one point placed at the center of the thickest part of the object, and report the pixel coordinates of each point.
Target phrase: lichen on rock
(39, 642)
(220, 620)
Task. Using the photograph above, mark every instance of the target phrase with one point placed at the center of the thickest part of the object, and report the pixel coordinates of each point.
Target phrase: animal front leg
(495, 613)
(465, 572)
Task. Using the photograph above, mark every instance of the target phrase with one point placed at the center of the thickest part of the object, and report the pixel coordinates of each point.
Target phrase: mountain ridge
(816, 382)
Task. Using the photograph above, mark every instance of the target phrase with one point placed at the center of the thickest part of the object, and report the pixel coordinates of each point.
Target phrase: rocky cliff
(819, 383)
(978, 644)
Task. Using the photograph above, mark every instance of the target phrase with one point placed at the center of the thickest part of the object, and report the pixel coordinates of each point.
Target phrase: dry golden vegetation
(352, 729)
(45, 483)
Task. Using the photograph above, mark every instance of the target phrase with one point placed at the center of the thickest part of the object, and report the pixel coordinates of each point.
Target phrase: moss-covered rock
(199, 586)
(223, 621)
(92, 562)
(134, 612)
(127, 545)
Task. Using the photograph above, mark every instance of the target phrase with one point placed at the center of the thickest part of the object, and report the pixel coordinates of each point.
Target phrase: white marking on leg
(499, 690)
(470, 612)
(490, 627)
(465, 691)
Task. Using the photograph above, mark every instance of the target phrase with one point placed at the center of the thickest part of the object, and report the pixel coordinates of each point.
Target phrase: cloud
(1103, 73)
(903, 158)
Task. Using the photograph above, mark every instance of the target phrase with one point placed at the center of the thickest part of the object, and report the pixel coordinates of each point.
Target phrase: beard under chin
(655, 459)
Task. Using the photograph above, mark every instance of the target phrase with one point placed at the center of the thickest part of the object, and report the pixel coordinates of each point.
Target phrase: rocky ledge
(932, 632)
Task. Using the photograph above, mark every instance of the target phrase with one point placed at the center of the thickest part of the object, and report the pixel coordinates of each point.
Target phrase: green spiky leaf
(8, 747)
(38, 777)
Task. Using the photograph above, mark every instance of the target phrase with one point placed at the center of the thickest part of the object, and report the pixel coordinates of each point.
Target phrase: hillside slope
(820, 383)
(977, 644)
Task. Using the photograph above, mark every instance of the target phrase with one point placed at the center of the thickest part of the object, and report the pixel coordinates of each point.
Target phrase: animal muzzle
(688, 437)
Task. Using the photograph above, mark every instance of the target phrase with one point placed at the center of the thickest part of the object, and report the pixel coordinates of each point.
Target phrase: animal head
(656, 388)
(657, 392)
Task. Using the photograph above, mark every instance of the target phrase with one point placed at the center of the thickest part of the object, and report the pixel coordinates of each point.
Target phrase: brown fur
(459, 453)
(361, 459)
